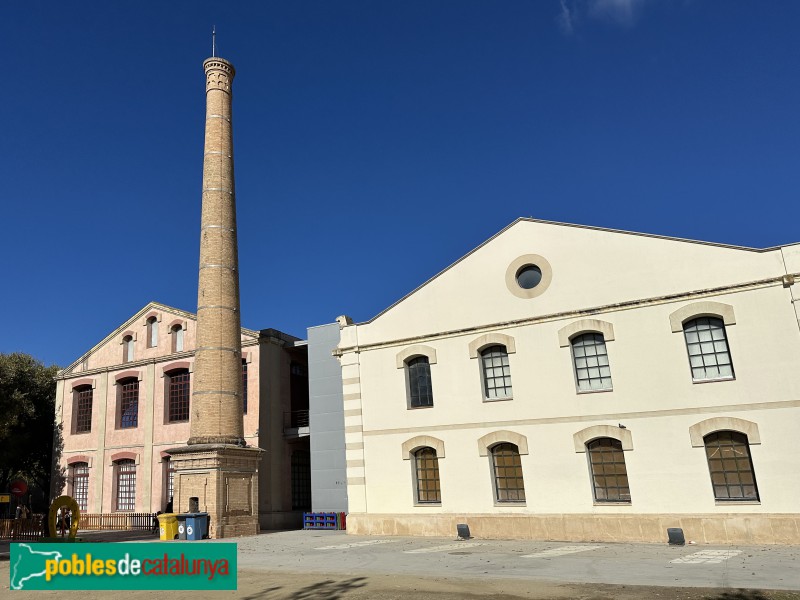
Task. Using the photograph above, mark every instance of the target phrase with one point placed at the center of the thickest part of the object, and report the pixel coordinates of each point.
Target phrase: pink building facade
(127, 401)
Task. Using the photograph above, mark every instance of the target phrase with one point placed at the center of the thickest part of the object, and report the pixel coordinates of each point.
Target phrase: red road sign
(19, 488)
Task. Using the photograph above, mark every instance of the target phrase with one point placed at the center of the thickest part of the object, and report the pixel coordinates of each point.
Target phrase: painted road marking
(561, 551)
(445, 548)
(706, 557)
(355, 545)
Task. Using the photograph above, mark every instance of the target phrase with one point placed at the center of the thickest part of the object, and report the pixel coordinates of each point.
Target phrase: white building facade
(576, 383)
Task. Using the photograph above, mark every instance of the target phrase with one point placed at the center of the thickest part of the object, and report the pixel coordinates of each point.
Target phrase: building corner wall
(327, 422)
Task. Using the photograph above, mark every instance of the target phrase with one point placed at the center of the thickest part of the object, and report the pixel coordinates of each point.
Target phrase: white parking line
(355, 545)
(561, 551)
(706, 557)
(445, 548)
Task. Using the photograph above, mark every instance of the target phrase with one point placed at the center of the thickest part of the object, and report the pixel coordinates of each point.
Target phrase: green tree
(28, 431)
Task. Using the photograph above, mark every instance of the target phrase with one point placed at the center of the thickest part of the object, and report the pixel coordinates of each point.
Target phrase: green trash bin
(168, 526)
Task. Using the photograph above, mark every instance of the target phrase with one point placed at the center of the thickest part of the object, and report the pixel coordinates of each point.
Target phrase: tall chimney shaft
(216, 413)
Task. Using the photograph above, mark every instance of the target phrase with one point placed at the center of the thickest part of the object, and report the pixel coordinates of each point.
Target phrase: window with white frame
(590, 357)
(707, 345)
(420, 387)
(496, 373)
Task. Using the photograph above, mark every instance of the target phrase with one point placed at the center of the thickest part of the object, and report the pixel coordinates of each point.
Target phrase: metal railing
(295, 419)
(116, 521)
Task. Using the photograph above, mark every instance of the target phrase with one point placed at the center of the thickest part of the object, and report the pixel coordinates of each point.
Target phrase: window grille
(609, 475)
(83, 416)
(80, 485)
(419, 382)
(178, 396)
(496, 373)
(707, 344)
(129, 404)
(507, 467)
(731, 466)
(592, 371)
(126, 485)
(427, 471)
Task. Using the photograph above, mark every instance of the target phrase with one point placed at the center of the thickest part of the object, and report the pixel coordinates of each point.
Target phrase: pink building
(127, 401)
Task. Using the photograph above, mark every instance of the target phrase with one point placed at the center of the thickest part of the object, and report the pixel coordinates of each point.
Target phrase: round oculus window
(529, 276)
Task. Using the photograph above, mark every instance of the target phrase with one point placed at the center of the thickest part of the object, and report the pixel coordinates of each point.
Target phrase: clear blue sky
(365, 128)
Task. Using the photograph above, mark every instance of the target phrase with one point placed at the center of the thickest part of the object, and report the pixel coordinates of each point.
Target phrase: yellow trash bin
(168, 526)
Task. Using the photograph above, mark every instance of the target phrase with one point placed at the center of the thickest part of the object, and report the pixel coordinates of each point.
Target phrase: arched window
(609, 475)
(79, 484)
(507, 472)
(125, 483)
(426, 470)
(731, 467)
(152, 332)
(177, 338)
(592, 372)
(177, 395)
(244, 385)
(169, 474)
(420, 388)
(82, 398)
(496, 373)
(128, 416)
(127, 348)
(707, 344)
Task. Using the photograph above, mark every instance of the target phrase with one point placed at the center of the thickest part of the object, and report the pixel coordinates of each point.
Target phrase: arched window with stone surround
(128, 398)
(177, 388)
(82, 396)
(731, 466)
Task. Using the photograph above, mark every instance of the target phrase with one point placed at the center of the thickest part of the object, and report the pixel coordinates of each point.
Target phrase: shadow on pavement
(324, 590)
(740, 595)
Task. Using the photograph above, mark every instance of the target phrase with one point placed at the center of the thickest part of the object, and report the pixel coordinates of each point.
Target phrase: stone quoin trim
(584, 436)
(701, 309)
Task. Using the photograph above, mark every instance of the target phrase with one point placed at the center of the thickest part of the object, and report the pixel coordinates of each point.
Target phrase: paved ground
(311, 565)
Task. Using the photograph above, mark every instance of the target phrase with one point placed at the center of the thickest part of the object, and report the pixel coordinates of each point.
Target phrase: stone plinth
(224, 479)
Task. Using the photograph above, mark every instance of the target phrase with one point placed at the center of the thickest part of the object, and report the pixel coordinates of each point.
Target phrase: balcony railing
(295, 419)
